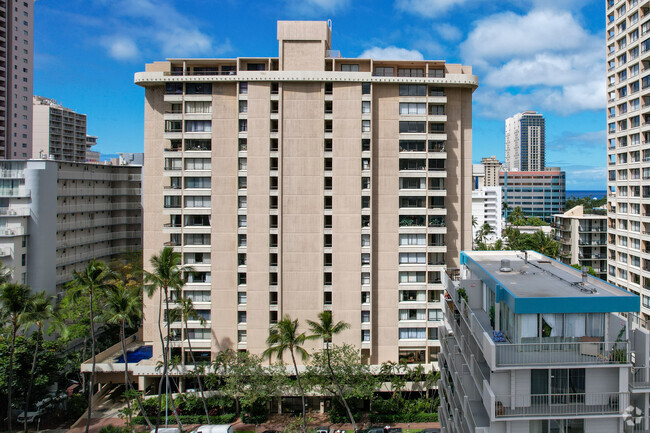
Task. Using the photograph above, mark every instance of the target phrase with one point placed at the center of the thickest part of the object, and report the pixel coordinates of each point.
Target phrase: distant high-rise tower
(16, 55)
(526, 142)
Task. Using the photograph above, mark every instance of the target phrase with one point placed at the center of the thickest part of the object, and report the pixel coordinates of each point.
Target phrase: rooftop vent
(505, 266)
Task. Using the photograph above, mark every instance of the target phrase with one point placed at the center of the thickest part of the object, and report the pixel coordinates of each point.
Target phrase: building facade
(491, 168)
(628, 148)
(55, 217)
(309, 182)
(487, 208)
(532, 345)
(16, 78)
(59, 132)
(583, 239)
(540, 194)
(526, 142)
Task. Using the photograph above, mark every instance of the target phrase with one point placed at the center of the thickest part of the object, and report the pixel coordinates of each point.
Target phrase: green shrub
(256, 412)
(406, 417)
(193, 419)
(339, 415)
(76, 406)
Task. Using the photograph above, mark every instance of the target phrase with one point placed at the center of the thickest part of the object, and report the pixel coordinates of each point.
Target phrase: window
(384, 71)
(412, 296)
(419, 314)
(241, 317)
(174, 88)
(365, 278)
(436, 110)
(198, 126)
(197, 107)
(412, 258)
(412, 127)
(365, 297)
(197, 182)
(435, 315)
(412, 90)
(365, 106)
(241, 221)
(365, 316)
(365, 126)
(197, 239)
(350, 68)
(365, 88)
(412, 239)
(410, 72)
(411, 277)
(243, 106)
(365, 335)
(412, 334)
(197, 164)
(242, 164)
(412, 108)
(198, 88)
(243, 87)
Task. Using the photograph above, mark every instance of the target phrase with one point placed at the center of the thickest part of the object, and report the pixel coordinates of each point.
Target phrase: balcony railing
(570, 404)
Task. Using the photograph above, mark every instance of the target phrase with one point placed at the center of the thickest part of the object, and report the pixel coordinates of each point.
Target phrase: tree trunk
(31, 378)
(198, 377)
(340, 390)
(14, 331)
(302, 392)
(166, 359)
(83, 357)
(128, 382)
(126, 372)
(162, 378)
(92, 371)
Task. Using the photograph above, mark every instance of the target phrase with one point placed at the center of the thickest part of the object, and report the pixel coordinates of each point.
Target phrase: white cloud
(315, 7)
(391, 53)
(156, 24)
(448, 32)
(542, 60)
(121, 48)
(428, 8)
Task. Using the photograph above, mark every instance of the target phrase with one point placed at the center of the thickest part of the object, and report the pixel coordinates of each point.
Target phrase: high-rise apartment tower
(16, 73)
(628, 148)
(526, 142)
(309, 182)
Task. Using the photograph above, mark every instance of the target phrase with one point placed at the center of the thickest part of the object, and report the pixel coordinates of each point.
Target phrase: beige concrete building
(16, 78)
(59, 132)
(55, 217)
(492, 168)
(628, 148)
(309, 182)
(583, 239)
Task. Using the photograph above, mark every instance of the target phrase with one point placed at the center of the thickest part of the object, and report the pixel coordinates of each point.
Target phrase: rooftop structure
(533, 345)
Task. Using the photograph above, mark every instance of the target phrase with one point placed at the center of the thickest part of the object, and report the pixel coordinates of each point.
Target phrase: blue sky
(544, 55)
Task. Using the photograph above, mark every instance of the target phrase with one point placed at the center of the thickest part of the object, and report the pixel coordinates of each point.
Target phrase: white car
(31, 416)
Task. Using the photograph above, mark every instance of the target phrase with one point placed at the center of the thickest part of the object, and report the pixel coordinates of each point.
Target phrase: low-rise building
(56, 216)
(486, 208)
(583, 239)
(532, 345)
(540, 194)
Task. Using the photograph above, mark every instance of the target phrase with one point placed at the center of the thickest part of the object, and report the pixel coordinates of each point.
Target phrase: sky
(543, 55)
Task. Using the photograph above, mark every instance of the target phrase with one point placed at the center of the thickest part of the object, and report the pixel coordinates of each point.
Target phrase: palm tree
(167, 274)
(92, 281)
(325, 329)
(544, 244)
(284, 336)
(123, 306)
(484, 231)
(187, 312)
(14, 299)
(39, 310)
(516, 214)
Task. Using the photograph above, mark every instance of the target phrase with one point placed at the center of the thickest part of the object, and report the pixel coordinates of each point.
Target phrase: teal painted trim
(601, 304)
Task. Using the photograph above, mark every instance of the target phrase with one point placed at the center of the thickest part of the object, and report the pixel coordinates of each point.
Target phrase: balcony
(551, 405)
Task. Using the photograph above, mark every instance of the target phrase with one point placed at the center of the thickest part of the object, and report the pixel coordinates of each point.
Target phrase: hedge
(406, 417)
(190, 419)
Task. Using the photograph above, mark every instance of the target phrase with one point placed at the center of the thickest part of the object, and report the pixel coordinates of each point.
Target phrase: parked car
(430, 430)
(214, 428)
(394, 430)
(31, 416)
(323, 429)
(167, 430)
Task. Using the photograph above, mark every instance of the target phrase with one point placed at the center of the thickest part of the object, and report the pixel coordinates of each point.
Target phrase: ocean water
(591, 194)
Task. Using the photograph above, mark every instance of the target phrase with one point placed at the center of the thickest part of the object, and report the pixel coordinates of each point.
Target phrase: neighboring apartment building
(16, 78)
(491, 168)
(526, 142)
(532, 345)
(540, 194)
(55, 217)
(583, 239)
(309, 182)
(628, 148)
(487, 208)
(59, 132)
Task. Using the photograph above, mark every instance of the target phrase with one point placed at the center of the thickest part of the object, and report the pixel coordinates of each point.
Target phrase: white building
(486, 208)
(531, 345)
(525, 142)
(56, 216)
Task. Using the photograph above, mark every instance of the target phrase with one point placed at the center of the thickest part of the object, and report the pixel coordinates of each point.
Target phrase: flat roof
(539, 284)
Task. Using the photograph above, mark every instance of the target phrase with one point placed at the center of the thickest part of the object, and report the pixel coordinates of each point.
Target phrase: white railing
(640, 377)
(570, 404)
(12, 231)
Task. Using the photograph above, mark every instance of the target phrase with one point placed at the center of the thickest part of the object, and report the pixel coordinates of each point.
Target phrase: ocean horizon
(586, 193)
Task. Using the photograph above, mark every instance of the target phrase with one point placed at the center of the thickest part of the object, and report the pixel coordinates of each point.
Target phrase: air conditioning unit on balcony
(11, 212)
